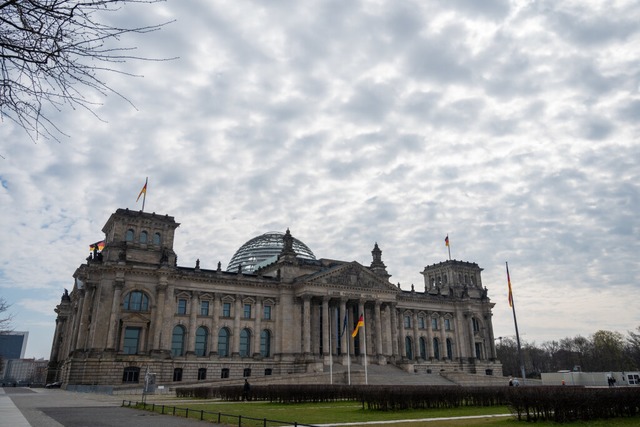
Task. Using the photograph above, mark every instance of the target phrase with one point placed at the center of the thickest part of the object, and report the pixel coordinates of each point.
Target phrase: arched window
(157, 239)
(436, 348)
(136, 301)
(223, 343)
(423, 348)
(408, 347)
(449, 349)
(144, 237)
(201, 341)
(177, 341)
(245, 343)
(129, 235)
(265, 343)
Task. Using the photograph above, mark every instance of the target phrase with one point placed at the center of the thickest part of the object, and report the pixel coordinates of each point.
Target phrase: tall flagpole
(515, 322)
(144, 197)
(348, 360)
(330, 353)
(143, 193)
(446, 242)
(364, 337)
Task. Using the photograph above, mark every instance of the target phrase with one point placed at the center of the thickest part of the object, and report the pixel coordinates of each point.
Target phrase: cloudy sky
(511, 126)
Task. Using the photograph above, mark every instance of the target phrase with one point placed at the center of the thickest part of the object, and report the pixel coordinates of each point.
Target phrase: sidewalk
(39, 407)
(9, 413)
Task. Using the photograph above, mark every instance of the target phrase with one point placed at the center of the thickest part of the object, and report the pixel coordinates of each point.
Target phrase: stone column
(306, 324)
(215, 329)
(193, 320)
(403, 348)
(430, 349)
(394, 329)
(343, 314)
(492, 341)
(443, 339)
(416, 336)
(326, 330)
(378, 329)
(472, 340)
(118, 284)
(77, 321)
(161, 293)
(235, 339)
(84, 319)
(257, 327)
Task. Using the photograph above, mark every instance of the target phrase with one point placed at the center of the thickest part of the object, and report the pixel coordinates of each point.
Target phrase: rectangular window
(182, 306)
(177, 374)
(226, 309)
(407, 321)
(204, 308)
(447, 324)
(421, 322)
(247, 311)
(224, 373)
(131, 339)
(202, 374)
(434, 323)
(131, 374)
(267, 312)
(246, 372)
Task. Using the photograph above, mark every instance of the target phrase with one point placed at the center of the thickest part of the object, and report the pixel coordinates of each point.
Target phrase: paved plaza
(39, 407)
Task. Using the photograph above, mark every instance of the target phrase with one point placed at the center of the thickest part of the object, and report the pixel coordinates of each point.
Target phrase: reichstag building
(275, 310)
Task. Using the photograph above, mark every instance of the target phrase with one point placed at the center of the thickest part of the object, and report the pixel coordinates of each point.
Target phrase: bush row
(554, 403)
(562, 404)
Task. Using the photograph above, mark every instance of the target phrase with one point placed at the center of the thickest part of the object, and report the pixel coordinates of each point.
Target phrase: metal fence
(216, 417)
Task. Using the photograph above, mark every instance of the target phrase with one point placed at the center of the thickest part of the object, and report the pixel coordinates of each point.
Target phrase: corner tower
(136, 236)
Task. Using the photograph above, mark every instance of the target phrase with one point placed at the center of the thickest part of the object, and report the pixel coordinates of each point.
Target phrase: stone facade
(132, 309)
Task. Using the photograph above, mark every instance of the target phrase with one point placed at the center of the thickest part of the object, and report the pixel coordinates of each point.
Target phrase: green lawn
(352, 412)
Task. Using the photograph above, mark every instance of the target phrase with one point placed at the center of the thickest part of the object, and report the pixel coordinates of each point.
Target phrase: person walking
(245, 390)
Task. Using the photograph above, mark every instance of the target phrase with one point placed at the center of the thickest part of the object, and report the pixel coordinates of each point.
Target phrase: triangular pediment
(350, 275)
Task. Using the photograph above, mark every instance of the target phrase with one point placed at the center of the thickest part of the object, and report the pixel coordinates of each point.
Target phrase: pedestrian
(510, 382)
(245, 390)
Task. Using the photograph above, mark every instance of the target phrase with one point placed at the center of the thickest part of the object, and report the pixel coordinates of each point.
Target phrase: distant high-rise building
(13, 345)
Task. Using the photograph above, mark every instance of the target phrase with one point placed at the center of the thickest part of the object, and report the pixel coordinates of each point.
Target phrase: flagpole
(364, 337)
(349, 360)
(515, 322)
(446, 240)
(144, 196)
(330, 354)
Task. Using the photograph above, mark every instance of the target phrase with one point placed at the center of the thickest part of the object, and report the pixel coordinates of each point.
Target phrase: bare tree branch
(5, 318)
(51, 51)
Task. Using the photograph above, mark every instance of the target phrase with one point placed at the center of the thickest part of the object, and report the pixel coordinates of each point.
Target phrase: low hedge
(540, 403)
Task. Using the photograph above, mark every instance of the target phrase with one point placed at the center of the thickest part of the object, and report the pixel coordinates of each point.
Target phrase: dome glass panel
(263, 250)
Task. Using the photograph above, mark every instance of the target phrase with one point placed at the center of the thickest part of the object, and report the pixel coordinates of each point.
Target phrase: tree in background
(5, 317)
(632, 347)
(601, 352)
(5, 323)
(51, 52)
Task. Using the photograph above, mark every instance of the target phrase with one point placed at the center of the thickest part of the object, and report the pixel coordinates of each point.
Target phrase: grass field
(352, 414)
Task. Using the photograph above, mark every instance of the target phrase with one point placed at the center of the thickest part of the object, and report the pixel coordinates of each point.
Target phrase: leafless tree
(5, 317)
(52, 51)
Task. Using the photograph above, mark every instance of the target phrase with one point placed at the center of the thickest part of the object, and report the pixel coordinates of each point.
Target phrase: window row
(131, 374)
(422, 348)
(422, 323)
(139, 301)
(224, 339)
(227, 309)
(143, 237)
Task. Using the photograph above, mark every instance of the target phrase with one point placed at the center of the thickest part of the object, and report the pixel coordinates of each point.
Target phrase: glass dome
(263, 250)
